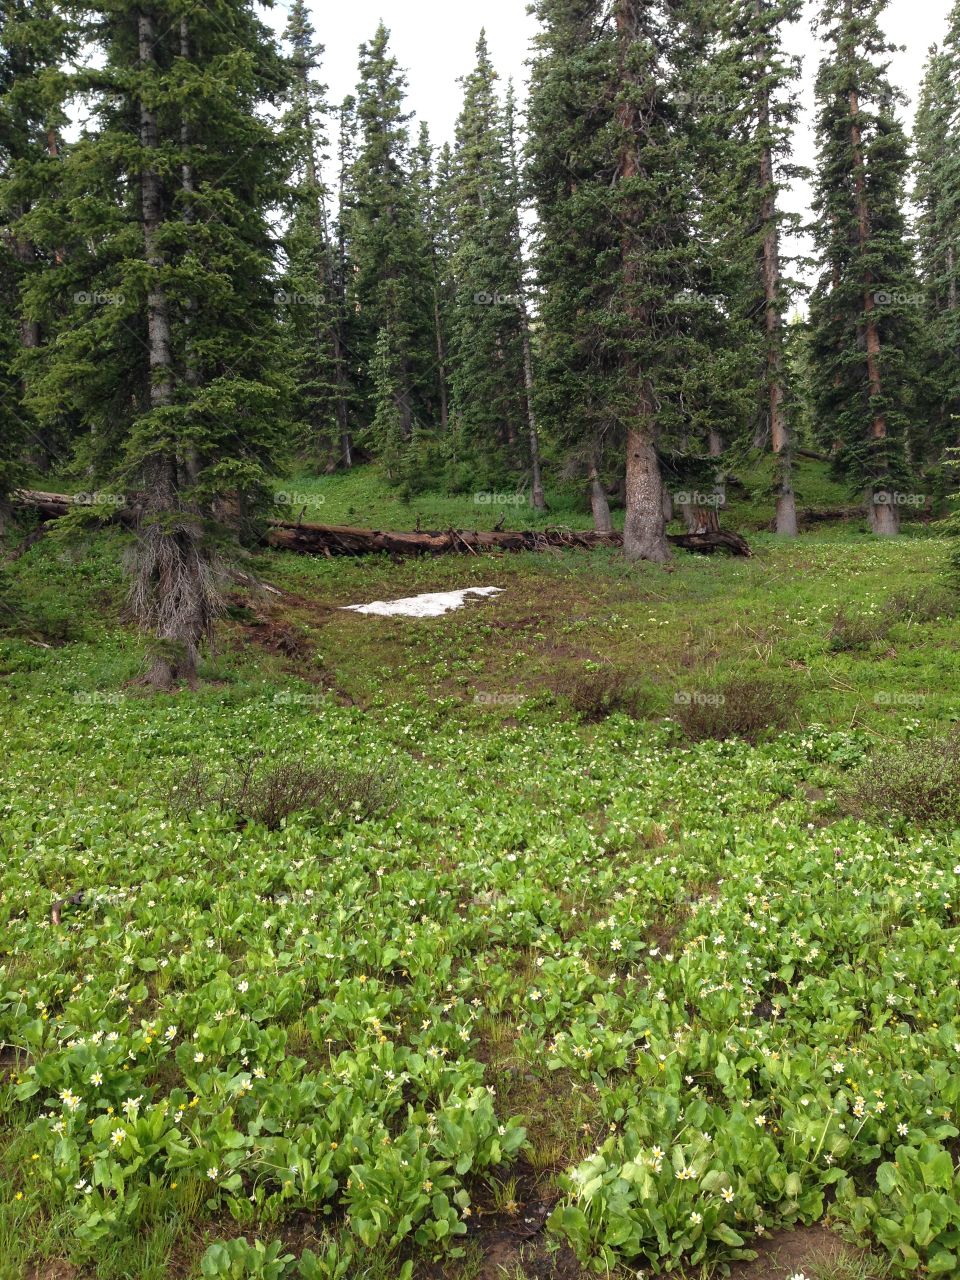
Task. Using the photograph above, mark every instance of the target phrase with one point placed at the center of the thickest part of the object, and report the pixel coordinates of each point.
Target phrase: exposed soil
(794, 1251)
(58, 1269)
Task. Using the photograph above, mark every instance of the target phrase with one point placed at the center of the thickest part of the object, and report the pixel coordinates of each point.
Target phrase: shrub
(741, 707)
(595, 693)
(270, 792)
(857, 631)
(928, 604)
(917, 783)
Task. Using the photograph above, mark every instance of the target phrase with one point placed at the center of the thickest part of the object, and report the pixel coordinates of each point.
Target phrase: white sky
(434, 41)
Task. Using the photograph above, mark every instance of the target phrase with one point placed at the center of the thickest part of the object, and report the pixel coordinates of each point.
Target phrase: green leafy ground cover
(361, 497)
(671, 991)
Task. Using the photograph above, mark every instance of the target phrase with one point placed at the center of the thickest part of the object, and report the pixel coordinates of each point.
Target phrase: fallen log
(48, 505)
(51, 506)
(334, 540)
(342, 540)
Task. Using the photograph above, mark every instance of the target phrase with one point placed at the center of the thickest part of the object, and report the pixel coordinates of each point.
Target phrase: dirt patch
(293, 648)
(12, 1062)
(277, 637)
(504, 1260)
(514, 1243)
(57, 1269)
(790, 1252)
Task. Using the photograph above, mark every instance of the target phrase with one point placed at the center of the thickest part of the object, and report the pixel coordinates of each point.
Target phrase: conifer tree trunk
(538, 498)
(190, 373)
(343, 422)
(780, 442)
(158, 316)
(441, 363)
(172, 593)
(25, 254)
(341, 408)
(644, 529)
(884, 516)
(599, 505)
(339, 355)
(704, 517)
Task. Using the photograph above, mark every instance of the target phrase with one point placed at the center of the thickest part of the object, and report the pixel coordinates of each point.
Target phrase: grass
(362, 497)
(478, 916)
(664, 634)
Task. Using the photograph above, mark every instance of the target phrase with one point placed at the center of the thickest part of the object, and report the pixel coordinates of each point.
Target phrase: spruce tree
(616, 256)
(652, 202)
(487, 376)
(389, 282)
(34, 41)
(169, 352)
(444, 288)
(756, 84)
(937, 196)
(864, 313)
(428, 197)
(576, 241)
(345, 328)
(309, 292)
(537, 496)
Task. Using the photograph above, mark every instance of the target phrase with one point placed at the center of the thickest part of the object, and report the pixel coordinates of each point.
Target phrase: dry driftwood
(340, 540)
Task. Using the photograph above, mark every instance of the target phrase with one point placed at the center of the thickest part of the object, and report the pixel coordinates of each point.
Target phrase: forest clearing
(548, 945)
(479, 640)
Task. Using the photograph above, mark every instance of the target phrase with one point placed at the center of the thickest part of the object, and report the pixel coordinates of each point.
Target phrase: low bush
(854, 631)
(270, 792)
(917, 783)
(597, 692)
(741, 707)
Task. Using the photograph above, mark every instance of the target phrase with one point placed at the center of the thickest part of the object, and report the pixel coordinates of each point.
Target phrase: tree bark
(191, 373)
(599, 505)
(441, 361)
(701, 517)
(644, 530)
(340, 292)
(786, 518)
(172, 593)
(539, 501)
(884, 517)
(26, 255)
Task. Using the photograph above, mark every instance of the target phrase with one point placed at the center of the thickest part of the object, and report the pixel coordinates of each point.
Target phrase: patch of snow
(430, 605)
